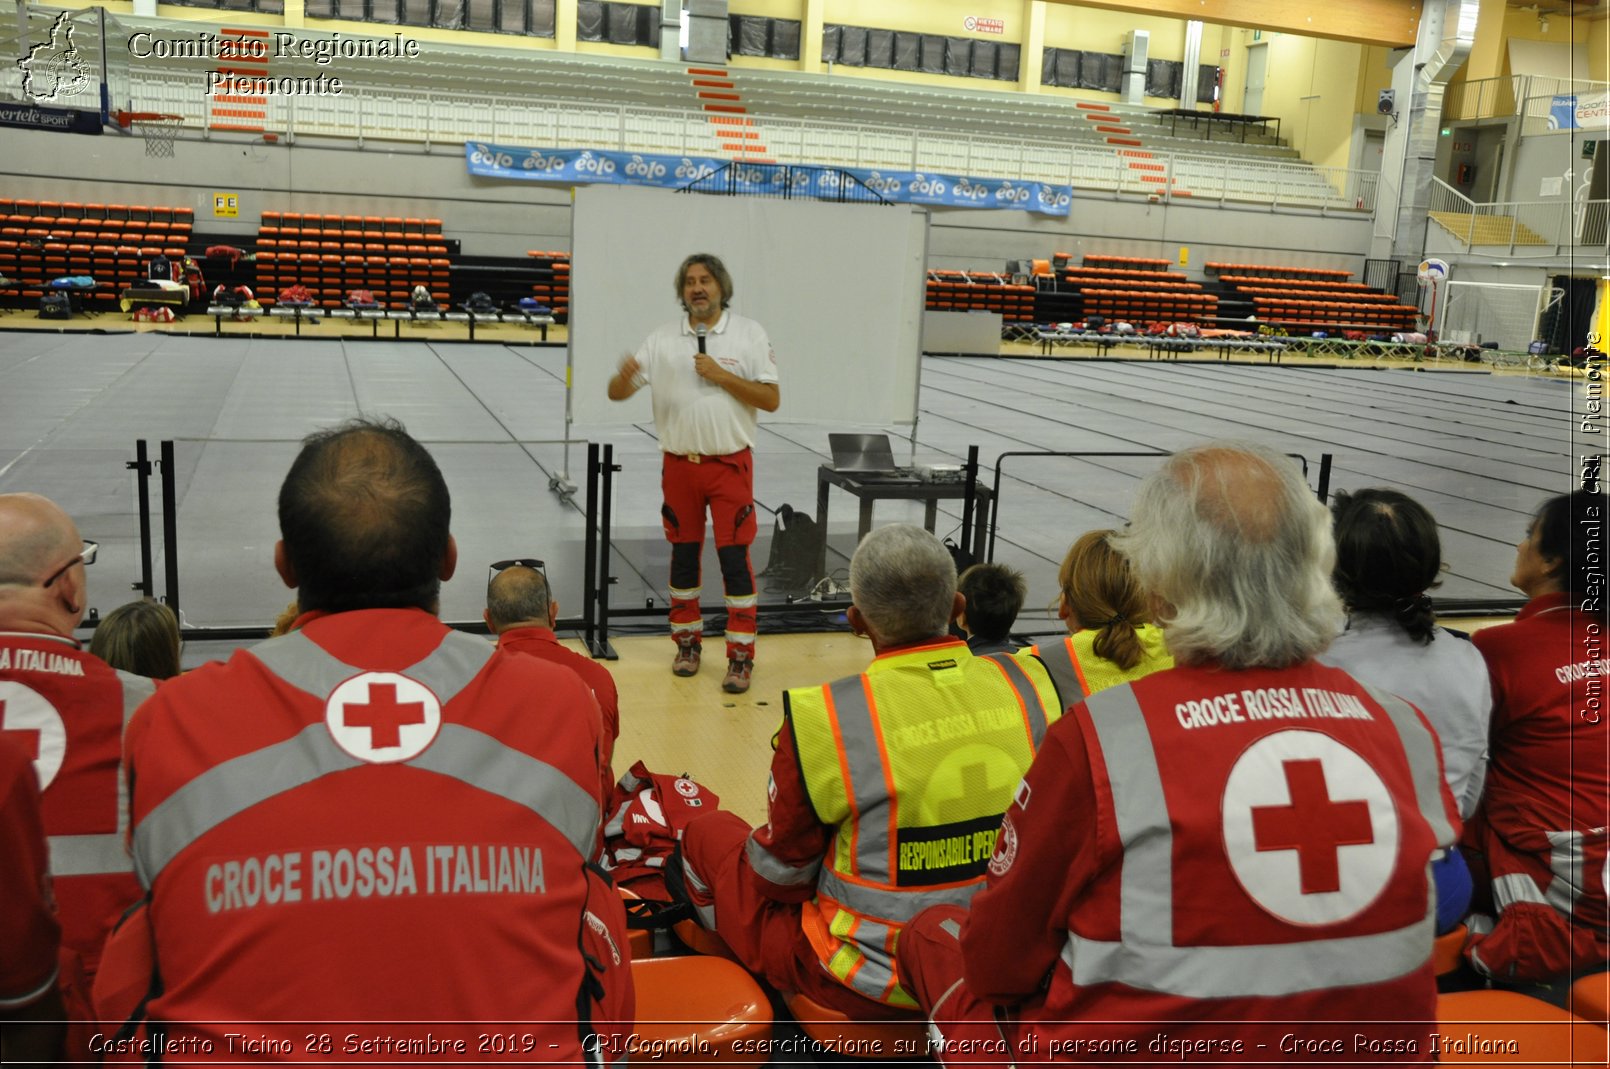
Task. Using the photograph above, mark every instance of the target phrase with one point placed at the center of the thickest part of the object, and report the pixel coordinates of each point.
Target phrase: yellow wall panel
(946, 17)
(1089, 30)
(1313, 85)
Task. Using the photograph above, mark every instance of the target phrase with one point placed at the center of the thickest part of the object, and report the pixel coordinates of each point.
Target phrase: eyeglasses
(518, 562)
(86, 556)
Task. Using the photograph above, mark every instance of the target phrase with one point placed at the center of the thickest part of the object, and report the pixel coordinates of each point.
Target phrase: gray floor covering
(1481, 451)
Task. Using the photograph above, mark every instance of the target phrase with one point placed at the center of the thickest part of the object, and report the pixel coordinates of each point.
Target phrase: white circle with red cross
(1310, 829)
(27, 716)
(382, 717)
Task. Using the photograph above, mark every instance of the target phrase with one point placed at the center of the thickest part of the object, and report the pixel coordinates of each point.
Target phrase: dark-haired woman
(1112, 639)
(1538, 840)
(1388, 557)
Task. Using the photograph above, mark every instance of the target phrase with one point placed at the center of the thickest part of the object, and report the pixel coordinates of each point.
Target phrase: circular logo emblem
(1310, 830)
(1431, 271)
(970, 23)
(1005, 848)
(382, 717)
(26, 716)
(686, 787)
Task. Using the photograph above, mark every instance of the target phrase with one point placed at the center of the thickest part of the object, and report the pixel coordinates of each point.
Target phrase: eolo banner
(592, 166)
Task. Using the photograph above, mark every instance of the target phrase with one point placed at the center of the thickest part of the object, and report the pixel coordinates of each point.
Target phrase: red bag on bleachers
(647, 815)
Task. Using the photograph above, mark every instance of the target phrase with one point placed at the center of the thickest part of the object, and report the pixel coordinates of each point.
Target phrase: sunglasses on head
(518, 562)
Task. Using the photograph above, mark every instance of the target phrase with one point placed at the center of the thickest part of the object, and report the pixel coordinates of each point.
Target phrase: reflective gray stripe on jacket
(459, 752)
(96, 855)
(1143, 957)
(770, 867)
(1058, 660)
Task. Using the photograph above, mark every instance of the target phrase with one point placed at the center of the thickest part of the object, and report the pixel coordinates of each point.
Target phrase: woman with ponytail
(1111, 637)
(1388, 557)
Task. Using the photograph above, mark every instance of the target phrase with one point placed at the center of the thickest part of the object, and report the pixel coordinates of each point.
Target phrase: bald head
(34, 532)
(364, 514)
(518, 597)
(1239, 551)
(36, 539)
(1237, 490)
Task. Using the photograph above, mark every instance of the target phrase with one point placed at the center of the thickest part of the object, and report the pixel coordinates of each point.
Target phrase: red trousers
(930, 961)
(725, 486)
(764, 935)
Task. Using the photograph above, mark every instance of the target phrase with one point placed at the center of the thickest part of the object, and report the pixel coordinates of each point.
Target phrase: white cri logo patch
(382, 717)
(26, 717)
(1310, 829)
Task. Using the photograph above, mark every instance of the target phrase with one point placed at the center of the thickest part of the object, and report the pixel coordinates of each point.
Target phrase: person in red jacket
(31, 1028)
(1226, 860)
(1539, 836)
(522, 611)
(67, 708)
(374, 818)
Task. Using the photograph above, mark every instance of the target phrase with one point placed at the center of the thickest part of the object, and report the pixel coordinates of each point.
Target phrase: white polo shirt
(690, 414)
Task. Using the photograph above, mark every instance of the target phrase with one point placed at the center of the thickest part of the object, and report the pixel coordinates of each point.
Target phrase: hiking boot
(738, 670)
(687, 657)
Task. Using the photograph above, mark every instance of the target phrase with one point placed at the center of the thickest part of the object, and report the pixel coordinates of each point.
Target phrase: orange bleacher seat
(433, 226)
(702, 1010)
(1590, 998)
(1483, 1022)
(26, 207)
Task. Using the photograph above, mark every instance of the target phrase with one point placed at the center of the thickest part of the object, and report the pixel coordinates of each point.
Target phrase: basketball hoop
(160, 134)
(159, 130)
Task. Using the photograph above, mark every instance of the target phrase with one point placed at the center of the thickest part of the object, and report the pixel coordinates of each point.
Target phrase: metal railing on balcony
(1535, 229)
(1530, 96)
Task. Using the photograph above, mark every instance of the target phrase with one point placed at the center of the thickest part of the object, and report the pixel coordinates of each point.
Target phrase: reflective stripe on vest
(864, 960)
(1143, 959)
(1064, 671)
(458, 752)
(1031, 697)
(96, 855)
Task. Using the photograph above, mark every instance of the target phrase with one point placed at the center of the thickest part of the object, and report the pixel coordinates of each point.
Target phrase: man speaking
(709, 373)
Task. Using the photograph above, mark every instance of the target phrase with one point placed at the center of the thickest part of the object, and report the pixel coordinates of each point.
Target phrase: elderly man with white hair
(886, 791)
(1242, 839)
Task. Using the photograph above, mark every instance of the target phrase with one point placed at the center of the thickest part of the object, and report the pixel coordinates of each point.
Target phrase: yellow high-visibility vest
(1079, 671)
(914, 762)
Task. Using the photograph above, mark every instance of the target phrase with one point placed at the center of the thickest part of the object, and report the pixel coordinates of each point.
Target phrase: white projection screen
(838, 288)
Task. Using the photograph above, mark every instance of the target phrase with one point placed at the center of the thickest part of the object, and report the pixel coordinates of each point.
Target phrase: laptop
(865, 456)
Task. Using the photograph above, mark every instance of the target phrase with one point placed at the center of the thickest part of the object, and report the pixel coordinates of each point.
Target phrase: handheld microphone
(701, 330)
